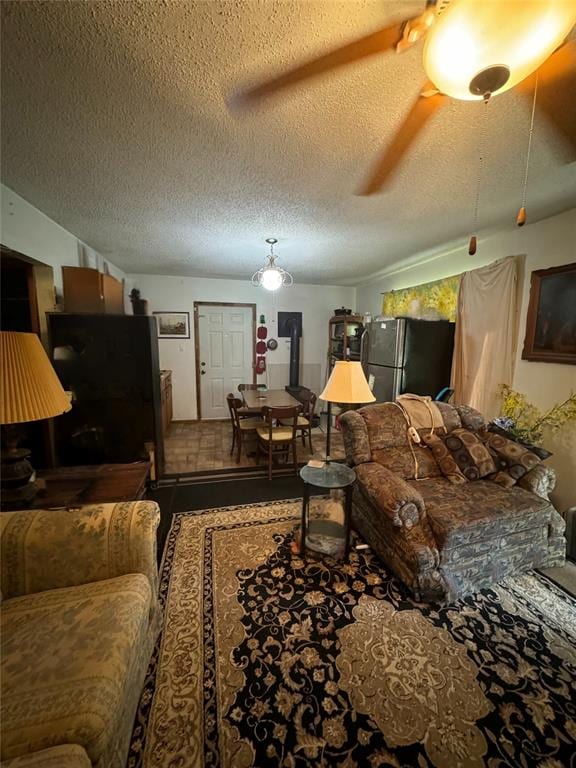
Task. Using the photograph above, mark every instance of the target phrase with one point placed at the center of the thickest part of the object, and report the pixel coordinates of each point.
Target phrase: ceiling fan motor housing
(489, 80)
(478, 48)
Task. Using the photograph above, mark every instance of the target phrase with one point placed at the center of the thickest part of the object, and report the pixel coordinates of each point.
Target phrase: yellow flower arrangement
(527, 422)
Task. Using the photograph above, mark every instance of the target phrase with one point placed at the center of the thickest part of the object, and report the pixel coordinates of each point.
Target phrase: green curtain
(438, 299)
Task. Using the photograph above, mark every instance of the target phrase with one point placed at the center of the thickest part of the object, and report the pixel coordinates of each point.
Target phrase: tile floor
(204, 446)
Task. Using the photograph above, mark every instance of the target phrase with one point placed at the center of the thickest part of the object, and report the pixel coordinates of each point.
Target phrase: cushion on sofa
(540, 451)
(444, 459)
(67, 656)
(472, 458)
(450, 416)
(513, 460)
(470, 417)
(462, 514)
(63, 756)
(386, 426)
(406, 463)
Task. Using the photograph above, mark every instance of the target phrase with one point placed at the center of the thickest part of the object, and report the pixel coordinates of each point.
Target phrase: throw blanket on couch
(421, 411)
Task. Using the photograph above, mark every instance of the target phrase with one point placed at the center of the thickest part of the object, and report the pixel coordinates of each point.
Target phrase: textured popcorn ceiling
(115, 125)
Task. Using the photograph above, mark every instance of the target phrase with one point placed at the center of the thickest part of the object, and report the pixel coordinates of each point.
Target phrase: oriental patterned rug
(267, 660)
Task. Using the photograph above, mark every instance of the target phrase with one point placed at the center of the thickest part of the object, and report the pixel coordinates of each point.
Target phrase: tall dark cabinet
(110, 364)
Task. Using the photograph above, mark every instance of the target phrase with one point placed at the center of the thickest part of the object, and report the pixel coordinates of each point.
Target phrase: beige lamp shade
(30, 388)
(347, 384)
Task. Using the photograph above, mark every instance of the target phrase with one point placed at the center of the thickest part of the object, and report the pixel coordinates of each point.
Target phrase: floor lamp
(30, 391)
(347, 385)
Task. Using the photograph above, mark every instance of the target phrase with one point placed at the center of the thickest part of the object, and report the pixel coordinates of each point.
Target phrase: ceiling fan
(473, 50)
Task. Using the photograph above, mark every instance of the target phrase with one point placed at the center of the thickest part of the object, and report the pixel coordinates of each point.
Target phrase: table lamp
(347, 384)
(30, 391)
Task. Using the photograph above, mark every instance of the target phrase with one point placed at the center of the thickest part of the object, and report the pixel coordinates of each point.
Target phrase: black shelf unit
(344, 332)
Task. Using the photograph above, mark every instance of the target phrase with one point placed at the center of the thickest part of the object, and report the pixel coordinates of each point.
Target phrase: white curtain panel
(486, 335)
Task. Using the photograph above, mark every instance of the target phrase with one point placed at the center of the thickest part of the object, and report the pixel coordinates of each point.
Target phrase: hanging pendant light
(271, 277)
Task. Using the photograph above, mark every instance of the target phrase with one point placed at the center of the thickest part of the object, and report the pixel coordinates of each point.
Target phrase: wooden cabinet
(166, 399)
(344, 337)
(93, 484)
(111, 365)
(89, 291)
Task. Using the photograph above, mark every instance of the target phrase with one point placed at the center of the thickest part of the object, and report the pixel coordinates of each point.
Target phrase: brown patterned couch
(79, 620)
(444, 540)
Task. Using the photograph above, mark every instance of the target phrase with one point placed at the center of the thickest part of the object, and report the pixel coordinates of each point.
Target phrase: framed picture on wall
(551, 319)
(173, 325)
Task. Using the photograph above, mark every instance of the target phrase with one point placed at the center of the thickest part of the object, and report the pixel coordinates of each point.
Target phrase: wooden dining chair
(276, 441)
(305, 420)
(245, 412)
(240, 427)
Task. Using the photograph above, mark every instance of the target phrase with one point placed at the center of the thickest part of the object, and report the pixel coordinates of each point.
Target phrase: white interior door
(226, 355)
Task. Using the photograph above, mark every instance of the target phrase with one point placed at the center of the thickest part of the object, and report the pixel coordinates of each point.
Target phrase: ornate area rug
(266, 660)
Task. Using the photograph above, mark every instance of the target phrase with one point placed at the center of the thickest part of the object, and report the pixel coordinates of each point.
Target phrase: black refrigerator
(110, 363)
(401, 354)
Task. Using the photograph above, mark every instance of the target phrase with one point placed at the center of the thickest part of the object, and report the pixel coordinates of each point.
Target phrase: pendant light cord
(481, 145)
(528, 154)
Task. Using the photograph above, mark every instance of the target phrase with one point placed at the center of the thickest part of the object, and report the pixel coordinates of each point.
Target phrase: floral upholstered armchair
(79, 620)
(443, 537)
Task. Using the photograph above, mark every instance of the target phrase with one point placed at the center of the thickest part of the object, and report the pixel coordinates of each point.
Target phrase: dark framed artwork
(551, 319)
(173, 325)
(285, 320)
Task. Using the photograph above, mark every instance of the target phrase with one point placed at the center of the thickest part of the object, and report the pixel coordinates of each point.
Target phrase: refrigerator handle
(362, 340)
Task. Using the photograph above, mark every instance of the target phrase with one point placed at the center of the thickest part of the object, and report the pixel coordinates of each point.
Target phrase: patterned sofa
(443, 540)
(79, 620)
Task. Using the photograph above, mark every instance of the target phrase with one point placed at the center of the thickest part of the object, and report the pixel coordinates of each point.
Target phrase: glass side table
(331, 476)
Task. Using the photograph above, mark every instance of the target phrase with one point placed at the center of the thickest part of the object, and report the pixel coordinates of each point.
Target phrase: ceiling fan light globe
(271, 279)
(472, 36)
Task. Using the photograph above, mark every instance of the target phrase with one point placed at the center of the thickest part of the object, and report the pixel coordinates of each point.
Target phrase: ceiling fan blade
(556, 89)
(420, 113)
(378, 42)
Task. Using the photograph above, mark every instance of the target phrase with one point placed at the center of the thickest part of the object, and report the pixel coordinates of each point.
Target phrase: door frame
(197, 305)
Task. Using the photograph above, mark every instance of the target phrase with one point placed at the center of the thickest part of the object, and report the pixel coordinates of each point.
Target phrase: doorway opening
(201, 450)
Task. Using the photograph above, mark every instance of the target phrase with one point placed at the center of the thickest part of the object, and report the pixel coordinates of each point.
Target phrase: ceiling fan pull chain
(521, 218)
(472, 245)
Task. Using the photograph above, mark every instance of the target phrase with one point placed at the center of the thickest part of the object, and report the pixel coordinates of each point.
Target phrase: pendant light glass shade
(488, 46)
(271, 277)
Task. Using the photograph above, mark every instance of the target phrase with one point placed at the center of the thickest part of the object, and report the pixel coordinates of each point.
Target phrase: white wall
(316, 303)
(29, 231)
(547, 243)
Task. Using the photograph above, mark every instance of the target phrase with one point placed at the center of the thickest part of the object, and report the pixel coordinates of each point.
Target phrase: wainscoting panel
(310, 376)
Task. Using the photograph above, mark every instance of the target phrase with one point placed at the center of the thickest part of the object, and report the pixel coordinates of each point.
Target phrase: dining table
(273, 398)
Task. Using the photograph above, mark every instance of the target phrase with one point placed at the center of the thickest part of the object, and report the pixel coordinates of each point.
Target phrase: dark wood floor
(189, 497)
